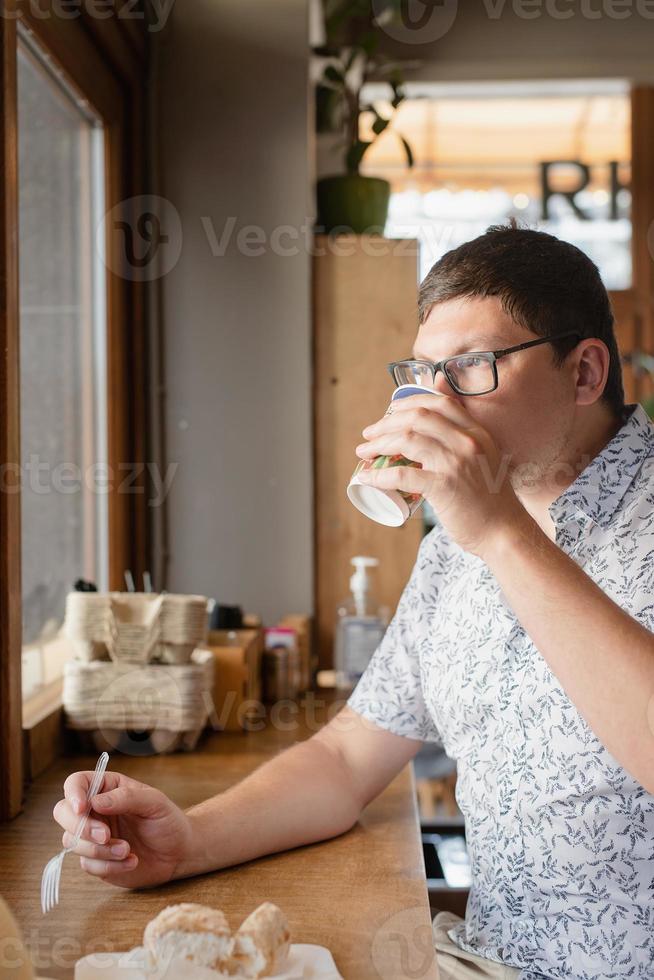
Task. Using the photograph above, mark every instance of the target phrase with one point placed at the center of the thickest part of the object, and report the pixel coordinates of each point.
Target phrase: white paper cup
(390, 507)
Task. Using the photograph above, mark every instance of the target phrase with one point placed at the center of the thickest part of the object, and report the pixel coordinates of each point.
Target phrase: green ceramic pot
(353, 203)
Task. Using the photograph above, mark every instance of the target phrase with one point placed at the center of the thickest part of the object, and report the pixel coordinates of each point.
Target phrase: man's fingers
(407, 478)
(411, 479)
(114, 850)
(442, 431)
(95, 830)
(448, 405)
(141, 801)
(445, 405)
(420, 449)
(77, 785)
(104, 869)
(402, 433)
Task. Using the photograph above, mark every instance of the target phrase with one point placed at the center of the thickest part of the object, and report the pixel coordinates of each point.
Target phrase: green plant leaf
(326, 51)
(334, 74)
(336, 15)
(351, 58)
(329, 109)
(369, 42)
(379, 124)
(355, 155)
(398, 94)
(407, 149)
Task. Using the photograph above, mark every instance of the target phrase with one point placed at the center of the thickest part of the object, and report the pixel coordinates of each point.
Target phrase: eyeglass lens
(471, 374)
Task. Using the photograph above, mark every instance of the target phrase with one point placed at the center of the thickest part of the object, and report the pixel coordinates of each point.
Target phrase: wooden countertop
(362, 894)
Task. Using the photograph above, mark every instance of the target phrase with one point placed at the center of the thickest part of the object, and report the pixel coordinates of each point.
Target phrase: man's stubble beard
(551, 470)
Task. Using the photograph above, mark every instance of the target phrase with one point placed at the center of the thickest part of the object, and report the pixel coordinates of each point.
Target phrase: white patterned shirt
(561, 837)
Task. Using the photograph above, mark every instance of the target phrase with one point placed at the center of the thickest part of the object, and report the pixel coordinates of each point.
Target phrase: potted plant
(352, 31)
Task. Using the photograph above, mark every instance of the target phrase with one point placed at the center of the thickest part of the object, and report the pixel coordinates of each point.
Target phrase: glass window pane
(559, 161)
(62, 350)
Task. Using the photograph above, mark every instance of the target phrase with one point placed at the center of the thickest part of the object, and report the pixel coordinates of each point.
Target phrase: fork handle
(96, 783)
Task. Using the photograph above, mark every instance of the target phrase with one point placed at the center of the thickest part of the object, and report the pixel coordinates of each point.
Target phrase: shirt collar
(600, 487)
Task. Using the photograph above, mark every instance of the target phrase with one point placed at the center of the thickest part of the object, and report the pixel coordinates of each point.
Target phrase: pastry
(195, 940)
(261, 944)
(190, 935)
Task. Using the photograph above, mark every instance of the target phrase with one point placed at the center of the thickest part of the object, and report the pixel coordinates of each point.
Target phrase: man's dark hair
(545, 285)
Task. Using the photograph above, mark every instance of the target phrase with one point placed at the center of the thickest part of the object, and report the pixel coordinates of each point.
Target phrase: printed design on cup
(385, 462)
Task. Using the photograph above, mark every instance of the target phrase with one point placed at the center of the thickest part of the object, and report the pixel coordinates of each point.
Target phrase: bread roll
(188, 935)
(261, 944)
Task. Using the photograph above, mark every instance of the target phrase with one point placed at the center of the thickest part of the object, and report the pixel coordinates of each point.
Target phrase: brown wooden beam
(11, 764)
(642, 209)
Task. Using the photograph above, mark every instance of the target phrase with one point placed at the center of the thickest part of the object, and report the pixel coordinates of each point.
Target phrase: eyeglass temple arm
(533, 343)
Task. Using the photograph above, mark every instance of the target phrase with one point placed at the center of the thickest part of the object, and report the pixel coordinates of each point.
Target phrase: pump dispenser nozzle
(359, 583)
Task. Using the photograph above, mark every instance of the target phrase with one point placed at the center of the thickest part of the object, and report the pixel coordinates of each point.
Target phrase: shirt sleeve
(390, 690)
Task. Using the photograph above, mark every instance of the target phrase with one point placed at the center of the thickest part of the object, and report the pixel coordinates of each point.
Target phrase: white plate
(305, 962)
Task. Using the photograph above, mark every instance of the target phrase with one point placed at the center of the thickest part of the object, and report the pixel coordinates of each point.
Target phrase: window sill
(43, 730)
(46, 701)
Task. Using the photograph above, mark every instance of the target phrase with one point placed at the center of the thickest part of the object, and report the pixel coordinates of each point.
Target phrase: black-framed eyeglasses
(472, 373)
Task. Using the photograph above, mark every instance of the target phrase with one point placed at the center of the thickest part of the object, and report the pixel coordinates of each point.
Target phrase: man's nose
(442, 385)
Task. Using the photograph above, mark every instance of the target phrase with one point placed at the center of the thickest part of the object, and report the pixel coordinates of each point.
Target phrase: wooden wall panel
(365, 315)
(642, 210)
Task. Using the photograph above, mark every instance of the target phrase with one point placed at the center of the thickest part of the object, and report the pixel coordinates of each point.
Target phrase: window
(62, 353)
(573, 158)
(554, 155)
(72, 345)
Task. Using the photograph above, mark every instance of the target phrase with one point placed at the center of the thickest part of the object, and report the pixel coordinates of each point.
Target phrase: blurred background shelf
(442, 826)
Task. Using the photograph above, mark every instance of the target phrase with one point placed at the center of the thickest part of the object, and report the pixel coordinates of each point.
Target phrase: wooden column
(11, 766)
(642, 207)
(634, 308)
(642, 221)
(365, 315)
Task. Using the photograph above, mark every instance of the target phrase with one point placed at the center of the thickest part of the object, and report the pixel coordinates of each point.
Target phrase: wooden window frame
(634, 308)
(106, 60)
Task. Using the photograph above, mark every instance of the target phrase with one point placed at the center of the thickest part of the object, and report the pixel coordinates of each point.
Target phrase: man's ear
(591, 367)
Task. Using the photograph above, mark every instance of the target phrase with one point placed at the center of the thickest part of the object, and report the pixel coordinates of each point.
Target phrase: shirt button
(522, 926)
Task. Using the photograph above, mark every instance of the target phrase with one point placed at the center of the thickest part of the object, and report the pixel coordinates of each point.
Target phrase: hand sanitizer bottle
(360, 626)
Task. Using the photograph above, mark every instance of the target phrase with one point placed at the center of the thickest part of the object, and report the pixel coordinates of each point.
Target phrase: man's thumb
(142, 801)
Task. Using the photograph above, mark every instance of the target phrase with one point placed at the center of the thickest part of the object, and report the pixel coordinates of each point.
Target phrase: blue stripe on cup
(405, 391)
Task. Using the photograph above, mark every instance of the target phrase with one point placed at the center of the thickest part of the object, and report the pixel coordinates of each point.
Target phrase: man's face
(531, 413)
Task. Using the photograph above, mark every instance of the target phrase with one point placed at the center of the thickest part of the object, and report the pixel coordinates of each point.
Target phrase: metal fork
(52, 871)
